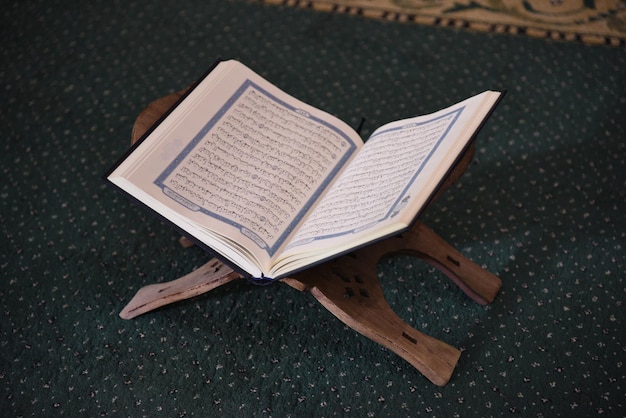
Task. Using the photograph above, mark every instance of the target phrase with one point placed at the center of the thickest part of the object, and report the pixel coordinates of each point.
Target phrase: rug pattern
(588, 21)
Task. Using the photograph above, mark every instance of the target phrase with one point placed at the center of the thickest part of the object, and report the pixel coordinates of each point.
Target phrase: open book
(272, 185)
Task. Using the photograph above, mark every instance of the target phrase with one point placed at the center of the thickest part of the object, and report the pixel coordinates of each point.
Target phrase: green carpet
(543, 206)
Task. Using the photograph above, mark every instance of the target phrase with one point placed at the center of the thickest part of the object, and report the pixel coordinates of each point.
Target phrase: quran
(272, 185)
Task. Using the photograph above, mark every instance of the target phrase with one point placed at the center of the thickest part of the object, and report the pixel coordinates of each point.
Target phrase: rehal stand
(347, 286)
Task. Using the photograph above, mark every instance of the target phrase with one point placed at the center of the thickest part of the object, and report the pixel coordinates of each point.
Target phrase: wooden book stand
(348, 286)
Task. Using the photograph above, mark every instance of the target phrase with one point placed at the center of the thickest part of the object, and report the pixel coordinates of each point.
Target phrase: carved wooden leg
(349, 288)
(423, 242)
(205, 278)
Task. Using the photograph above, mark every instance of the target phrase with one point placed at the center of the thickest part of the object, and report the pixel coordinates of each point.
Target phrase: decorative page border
(403, 197)
(270, 248)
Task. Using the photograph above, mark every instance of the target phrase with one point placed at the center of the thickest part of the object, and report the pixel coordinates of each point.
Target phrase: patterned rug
(588, 21)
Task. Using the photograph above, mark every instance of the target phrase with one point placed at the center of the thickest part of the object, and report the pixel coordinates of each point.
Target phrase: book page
(372, 188)
(391, 178)
(249, 171)
(257, 165)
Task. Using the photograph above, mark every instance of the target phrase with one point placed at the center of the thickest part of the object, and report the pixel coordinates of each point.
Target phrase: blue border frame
(271, 249)
(402, 198)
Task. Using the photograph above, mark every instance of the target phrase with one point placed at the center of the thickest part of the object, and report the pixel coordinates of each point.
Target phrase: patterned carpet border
(599, 22)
